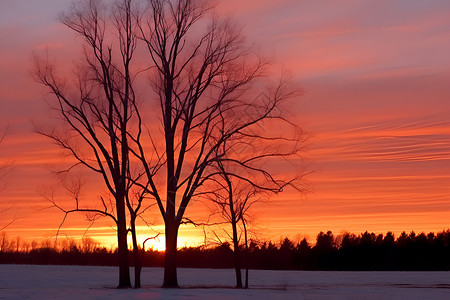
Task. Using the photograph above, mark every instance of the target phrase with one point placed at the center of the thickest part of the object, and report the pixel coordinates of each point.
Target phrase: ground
(84, 282)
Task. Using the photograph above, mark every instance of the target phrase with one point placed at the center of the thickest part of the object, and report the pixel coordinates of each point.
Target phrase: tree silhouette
(98, 107)
(423, 253)
(301, 255)
(235, 190)
(208, 91)
(202, 79)
(234, 200)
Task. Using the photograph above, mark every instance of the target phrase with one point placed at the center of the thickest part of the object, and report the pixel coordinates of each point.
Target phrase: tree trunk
(137, 258)
(124, 271)
(246, 278)
(237, 258)
(122, 247)
(246, 254)
(170, 256)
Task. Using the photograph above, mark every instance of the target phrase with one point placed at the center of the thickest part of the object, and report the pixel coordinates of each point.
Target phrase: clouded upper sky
(375, 77)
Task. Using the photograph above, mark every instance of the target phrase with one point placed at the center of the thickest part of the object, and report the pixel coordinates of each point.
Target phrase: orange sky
(376, 100)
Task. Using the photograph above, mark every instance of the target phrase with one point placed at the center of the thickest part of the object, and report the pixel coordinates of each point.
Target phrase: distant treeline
(367, 251)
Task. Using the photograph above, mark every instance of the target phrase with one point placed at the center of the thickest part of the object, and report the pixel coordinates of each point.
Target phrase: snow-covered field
(77, 282)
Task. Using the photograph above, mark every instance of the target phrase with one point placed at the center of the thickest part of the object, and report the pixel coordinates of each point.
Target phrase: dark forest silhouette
(348, 252)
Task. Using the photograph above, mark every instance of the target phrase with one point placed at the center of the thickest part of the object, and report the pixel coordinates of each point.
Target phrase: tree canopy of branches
(204, 78)
(98, 112)
(206, 86)
(233, 198)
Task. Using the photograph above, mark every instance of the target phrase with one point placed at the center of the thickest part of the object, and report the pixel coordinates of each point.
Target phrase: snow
(84, 282)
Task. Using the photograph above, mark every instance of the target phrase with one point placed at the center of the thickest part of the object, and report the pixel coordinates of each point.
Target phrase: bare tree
(205, 79)
(99, 109)
(236, 194)
(234, 200)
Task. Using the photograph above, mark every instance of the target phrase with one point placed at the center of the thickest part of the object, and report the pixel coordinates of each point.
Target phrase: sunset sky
(375, 77)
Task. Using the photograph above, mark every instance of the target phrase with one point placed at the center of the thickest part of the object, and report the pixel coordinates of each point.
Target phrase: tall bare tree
(100, 107)
(205, 78)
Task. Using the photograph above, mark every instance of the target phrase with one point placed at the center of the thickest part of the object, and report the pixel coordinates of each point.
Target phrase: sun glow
(188, 237)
